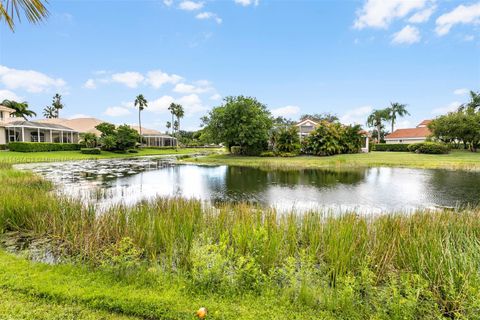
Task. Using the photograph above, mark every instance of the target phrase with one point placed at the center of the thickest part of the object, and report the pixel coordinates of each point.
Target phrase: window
(35, 138)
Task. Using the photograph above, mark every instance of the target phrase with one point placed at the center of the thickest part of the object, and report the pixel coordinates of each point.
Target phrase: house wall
(405, 141)
(3, 136)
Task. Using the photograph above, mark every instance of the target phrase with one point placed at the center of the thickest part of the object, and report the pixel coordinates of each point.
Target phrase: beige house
(306, 126)
(14, 129)
(410, 135)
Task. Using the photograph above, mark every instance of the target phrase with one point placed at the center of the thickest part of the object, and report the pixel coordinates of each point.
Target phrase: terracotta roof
(424, 123)
(420, 132)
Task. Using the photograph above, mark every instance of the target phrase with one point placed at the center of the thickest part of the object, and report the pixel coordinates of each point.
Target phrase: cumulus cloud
(130, 79)
(407, 35)
(357, 115)
(160, 105)
(190, 5)
(209, 15)
(380, 13)
(461, 91)
(189, 88)
(168, 3)
(9, 95)
(423, 15)
(29, 80)
(90, 84)
(460, 15)
(216, 97)
(157, 78)
(286, 111)
(451, 107)
(117, 111)
(247, 3)
(192, 104)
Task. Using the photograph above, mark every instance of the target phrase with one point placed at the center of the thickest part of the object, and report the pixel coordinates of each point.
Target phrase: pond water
(367, 190)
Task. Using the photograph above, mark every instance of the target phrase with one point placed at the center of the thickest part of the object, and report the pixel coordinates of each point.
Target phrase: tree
(34, 10)
(105, 129)
(473, 104)
(57, 104)
(376, 118)
(179, 113)
(49, 112)
(89, 139)
(396, 109)
(286, 139)
(141, 103)
(241, 121)
(21, 108)
(168, 125)
(117, 139)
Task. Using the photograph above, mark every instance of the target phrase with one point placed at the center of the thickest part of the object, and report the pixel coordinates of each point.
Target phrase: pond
(367, 190)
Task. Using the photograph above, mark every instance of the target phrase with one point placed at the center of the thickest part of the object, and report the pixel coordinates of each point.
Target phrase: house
(306, 126)
(14, 129)
(151, 138)
(410, 135)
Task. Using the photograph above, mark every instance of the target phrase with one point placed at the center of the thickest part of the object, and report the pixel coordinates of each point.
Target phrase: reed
(442, 248)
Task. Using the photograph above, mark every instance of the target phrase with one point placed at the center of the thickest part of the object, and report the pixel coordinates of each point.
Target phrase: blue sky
(344, 57)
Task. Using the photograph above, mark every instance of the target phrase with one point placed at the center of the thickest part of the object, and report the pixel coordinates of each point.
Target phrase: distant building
(410, 135)
(306, 126)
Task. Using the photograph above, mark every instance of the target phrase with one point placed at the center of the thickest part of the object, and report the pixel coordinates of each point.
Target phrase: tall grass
(255, 245)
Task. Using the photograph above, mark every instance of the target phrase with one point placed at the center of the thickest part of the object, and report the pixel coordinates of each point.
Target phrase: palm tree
(49, 112)
(57, 104)
(34, 10)
(179, 113)
(21, 109)
(173, 109)
(141, 102)
(396, 109)
(169, 125)
(473, 104)
(376, 118)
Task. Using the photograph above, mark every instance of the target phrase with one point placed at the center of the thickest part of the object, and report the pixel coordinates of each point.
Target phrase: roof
(82, 125)
(146, 131)
(305, 121)
(34, 124)
(3, 108)
(411, 133)
(424, 123)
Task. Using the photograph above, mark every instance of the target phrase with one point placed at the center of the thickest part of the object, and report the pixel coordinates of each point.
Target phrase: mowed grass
(27, 157)
(163, 259)
(456, 160)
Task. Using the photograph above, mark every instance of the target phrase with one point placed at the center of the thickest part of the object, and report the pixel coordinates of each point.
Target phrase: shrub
(132, 151)
(236, 150)
(414, 147)
(267, 154)
(3, 146)
(90, 151)
(286, 140)
(42, 146)
(432, 148)
(287, 154)
(390, 147)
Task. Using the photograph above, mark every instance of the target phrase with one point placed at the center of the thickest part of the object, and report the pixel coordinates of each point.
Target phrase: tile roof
(40, 125)
(424, 123)
(420, 132)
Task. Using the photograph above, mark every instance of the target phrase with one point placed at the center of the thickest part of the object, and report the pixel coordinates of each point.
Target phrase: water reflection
(373, 190)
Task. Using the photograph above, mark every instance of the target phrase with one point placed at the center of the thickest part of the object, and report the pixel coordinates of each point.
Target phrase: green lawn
(23, 157)
(455, 160)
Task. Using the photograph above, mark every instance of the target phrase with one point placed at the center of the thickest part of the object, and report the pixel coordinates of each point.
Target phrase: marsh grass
(237, 249)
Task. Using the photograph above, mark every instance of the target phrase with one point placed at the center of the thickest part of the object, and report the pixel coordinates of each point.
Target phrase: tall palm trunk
(379, 127)
(140, 125)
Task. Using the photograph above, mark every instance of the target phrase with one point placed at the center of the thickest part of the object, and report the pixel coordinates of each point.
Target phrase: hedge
(3, 147)
(390, 147)
(431, 148)
(42, 146)
(90, 151)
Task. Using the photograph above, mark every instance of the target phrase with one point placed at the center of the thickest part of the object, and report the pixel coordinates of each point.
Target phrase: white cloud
(130, 79)
(188, 88)
(209, 15)
(460, 15)
(286, 111)
(247, 3)
(356, 116)
(90, 84)
(407, 35)
(451, 107)
(160, 105)
(117, 111)
(168, 3)
(31, 81)
(216, 97)
(423, 15)
(157, 78)
(190, 5)
(380, 13)
(469, 37)
(9, 95)
(192, 104)
(461, 91)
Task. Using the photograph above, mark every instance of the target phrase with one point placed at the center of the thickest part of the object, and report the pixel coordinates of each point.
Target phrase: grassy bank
(22, 157)
(165, 258)
(455, 160)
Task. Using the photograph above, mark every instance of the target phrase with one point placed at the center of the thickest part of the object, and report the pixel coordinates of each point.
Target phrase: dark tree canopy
(241, 121)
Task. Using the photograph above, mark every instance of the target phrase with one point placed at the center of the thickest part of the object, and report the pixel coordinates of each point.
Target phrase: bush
(432, 148)
(90, 151)
(413, 147)
(3, 146)
(236, 150)
(132, 151)
(390, 147)
(42, 146)
(287, 154)
(286, 140)
(267, 154)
